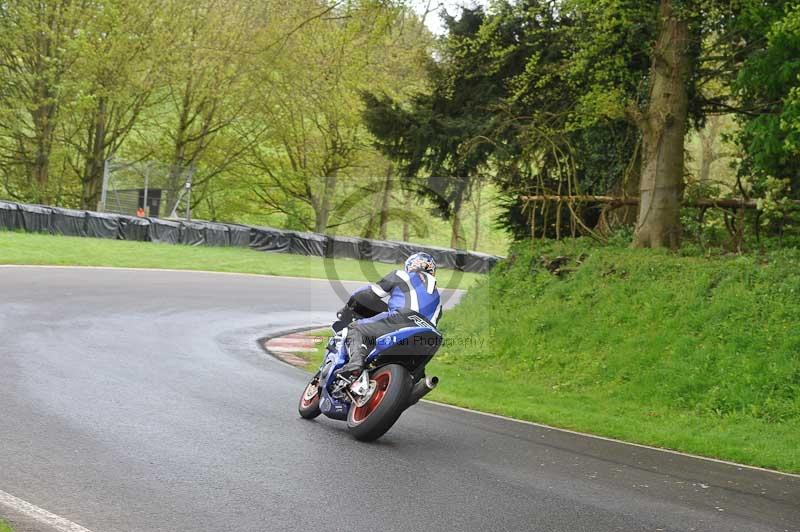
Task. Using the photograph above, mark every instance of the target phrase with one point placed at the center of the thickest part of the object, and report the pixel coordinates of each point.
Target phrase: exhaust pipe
(421, 389)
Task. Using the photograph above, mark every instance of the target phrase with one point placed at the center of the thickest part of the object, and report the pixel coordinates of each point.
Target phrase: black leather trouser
(362, 334)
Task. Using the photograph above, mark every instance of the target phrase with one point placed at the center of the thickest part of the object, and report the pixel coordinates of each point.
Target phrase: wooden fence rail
(723, 203)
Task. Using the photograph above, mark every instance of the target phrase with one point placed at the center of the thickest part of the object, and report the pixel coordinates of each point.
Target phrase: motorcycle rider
(412, 296)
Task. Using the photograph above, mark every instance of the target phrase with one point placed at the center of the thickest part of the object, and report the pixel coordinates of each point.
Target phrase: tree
(207, 88)
(312, 156)
(117, 72)
(546, 104)
(710, 152)
(770, 82)
(696, 43)
(663, 127)
(437, 136)
(39, 44)
(592, 66)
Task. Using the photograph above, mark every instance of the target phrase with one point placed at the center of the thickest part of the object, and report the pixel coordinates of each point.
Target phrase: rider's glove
(345, 314)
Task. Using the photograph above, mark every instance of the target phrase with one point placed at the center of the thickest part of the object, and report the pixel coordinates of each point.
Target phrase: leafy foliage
(437, 137)
(667, 347)
(771, 81)
(259, 101)
(288, 112)
(770, 133)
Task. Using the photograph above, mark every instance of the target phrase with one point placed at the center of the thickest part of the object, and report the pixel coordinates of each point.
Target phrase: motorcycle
(393, 378)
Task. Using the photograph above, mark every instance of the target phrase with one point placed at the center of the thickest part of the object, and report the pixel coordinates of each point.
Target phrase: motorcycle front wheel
(309, 400)
(371, 421)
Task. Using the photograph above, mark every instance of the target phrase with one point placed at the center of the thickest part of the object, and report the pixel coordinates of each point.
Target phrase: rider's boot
(355, 365)
(357, 349)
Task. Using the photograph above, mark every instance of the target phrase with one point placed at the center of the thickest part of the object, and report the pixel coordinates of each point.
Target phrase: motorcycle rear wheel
(392, 387)
(309, 400)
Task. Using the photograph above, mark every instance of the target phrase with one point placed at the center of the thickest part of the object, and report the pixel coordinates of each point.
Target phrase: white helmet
(420, 262)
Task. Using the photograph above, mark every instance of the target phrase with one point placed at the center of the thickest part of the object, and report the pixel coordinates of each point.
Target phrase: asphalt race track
(140, 401)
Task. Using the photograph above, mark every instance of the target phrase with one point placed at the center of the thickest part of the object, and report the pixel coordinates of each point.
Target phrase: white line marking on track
(40, 515)
(612, 440)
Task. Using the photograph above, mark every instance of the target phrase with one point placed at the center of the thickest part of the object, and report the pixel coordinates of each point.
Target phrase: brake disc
(362, 400)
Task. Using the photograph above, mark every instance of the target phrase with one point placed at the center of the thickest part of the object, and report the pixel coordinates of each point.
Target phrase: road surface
(139, 401)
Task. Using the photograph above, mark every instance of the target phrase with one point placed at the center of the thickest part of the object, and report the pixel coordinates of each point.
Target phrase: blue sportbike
(393, 379)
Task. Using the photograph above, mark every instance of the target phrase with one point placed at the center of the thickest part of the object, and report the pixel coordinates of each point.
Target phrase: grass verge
(5, 527)
(695, 354)
(40, 249)
(700, 355)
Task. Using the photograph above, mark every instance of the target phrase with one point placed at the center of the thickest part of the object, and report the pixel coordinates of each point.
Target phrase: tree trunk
(44, 126)
(708, 153)
(181, 140)
(41, 163)
(663, 129)
(477, 233)
(456, 235)
(705, 163)
(93, 171)
(323, 212)
(408, 205)
(43, 114)
(614, 217)
(457, 238)
(372, 226)
(383, 219)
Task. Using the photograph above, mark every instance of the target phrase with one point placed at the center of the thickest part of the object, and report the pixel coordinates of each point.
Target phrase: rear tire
(371, 421)
(309, 400)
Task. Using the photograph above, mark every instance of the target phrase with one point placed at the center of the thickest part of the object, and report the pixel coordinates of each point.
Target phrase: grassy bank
(5, 527)
(696, 354)
(26, 248)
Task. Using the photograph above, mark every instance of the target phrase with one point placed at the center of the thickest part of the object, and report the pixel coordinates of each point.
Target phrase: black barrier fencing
(35, 218)
(344, 246)
(103, 225)
(58, 221)
(10, 217)
(133, 228)
(239, 235)
(268, 239)
(164, 231)
(216, 234)
(67, 222)
(192, 233)
(311, 244)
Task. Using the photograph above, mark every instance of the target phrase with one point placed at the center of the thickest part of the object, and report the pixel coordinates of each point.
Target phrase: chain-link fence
(147, 188)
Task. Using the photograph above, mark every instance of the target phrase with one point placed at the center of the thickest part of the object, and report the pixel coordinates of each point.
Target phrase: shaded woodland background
(350, 117)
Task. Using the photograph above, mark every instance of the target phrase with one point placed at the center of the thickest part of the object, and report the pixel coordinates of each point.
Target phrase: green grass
(5, 527)
(26, 248)
(696, 354)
